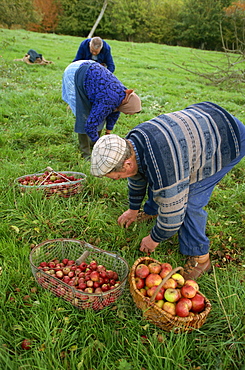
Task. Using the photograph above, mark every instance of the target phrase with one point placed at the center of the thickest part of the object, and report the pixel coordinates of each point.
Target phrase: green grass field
(36, 132)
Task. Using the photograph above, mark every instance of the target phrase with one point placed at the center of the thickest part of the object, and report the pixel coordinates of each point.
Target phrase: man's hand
(148, 245)
(127, 218)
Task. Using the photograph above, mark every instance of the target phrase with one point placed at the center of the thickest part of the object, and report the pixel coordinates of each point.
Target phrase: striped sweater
(176, 150)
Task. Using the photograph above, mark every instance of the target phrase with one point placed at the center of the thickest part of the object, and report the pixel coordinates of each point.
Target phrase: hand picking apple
(148, 245)
(169, 159)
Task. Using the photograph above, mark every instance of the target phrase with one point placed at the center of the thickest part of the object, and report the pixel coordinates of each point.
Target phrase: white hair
(96, 43)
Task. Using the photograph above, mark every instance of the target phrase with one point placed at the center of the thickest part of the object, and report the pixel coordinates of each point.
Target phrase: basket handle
(82, 257)
(179, 268)
(50, 169)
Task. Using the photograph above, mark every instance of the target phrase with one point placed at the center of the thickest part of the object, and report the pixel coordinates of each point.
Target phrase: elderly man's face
(94, 51)
(129, 169)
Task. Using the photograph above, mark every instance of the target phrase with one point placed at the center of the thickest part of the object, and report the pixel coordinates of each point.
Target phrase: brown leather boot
(196, 266)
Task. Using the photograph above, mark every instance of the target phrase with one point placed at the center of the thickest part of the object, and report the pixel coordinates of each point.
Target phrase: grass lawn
(36, 132)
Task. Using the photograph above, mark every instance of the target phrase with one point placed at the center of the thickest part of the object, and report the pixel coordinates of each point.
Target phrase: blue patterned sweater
(176, 150)
(103, 90)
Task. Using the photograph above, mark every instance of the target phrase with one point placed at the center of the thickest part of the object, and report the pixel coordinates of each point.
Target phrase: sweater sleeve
(109, 61)
(81, 52)
(172, 203)
(98, 114)
(111, 120)
(137, 186)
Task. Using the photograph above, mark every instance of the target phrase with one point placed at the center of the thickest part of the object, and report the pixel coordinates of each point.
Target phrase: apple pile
(94, 286)
(86, 277)
(52, 179)
(176, 296)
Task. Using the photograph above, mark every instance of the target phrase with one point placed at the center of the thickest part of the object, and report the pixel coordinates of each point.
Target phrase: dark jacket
(104, 57)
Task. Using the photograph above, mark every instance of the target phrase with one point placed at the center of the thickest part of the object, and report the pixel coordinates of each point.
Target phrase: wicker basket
(75, 250)
(158, 316)
(63, 189)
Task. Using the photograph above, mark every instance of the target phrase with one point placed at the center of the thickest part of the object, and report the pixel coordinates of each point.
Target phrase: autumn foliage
(235, 7)
(49, 11)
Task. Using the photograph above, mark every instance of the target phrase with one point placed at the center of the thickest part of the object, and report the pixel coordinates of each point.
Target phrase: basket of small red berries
(63, 184)
(78, 272)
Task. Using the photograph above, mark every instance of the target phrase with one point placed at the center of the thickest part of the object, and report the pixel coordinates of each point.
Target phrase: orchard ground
(36, 132)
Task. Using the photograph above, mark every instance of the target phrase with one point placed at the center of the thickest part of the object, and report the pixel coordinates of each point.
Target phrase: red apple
(165, 269)
(140, 283)
(186, 300)
(59, 274)
(182, 309)
(95, 276)
(153, 279)
(101, 268)
(104, 287)
(93, 265)
(171, 295)
(188, 291)
(151, 291)
(179, 278)
(192, 283)
(198, 303)
(71, 274)
(142, 271)
(66, 279)
(66, 270)
(82, 286)
(103, 274)
(112, 282)
(170, 283)
(143, 292)
(98, 290)
(169, 307)
(154, 268)
(89, 290)
(90, 283)
(83, 266)
(26, 344)
(110, 274)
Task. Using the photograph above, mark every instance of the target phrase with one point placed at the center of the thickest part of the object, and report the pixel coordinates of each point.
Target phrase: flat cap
(106, 154)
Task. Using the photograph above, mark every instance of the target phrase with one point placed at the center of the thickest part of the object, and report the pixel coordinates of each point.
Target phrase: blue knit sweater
(103, 91)
(176, 150)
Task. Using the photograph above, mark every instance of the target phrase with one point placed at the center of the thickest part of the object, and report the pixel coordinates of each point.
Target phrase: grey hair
(96, 43)
(127, 154)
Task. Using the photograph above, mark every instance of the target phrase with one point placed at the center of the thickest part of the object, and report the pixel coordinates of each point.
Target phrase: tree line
(205, 24)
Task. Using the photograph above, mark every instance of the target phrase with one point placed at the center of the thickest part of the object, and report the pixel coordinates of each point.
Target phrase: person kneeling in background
(178, 158)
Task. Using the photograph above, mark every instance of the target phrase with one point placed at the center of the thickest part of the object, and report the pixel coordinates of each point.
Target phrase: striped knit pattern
(178, 149)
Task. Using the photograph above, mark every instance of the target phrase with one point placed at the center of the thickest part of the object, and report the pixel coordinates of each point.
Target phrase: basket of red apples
(78, 272)
(165, 297)
(63, 184)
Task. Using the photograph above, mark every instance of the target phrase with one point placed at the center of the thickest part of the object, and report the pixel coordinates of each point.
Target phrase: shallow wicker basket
(63, 189)
(75, 250)
(158, 316)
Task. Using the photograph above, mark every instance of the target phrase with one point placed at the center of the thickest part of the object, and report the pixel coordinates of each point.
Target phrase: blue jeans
(192, 233)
